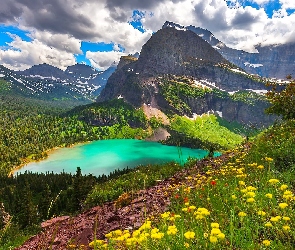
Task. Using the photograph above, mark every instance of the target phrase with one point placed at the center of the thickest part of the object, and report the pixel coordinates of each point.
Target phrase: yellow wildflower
(250, 194)
(250, 200)
(165, 215)
(268, 159)
(242, 214)
(284, 187)
(214, 225)
(172, 230)
(260, 167)
(189, 235)
(268, 196)
(268, 224)
(157, 235)
(288, 195)
(251, 188)
(145, 225)
(213, 239)
(201, 212)
(242, 183)
(283, 205)
(234, 197)
(275, 219)
(286, 218)
(221, 236)
(266, 243)
(261, 213)
(286, 227)
(215, 231)
(192, 207)
(96, 243)
(273, 181)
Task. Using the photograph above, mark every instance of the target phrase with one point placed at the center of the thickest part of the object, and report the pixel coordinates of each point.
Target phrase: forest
(30, 127)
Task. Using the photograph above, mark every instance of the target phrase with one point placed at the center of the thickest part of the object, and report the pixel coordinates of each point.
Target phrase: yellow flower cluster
(216, 233)
(273, 181)
(189, 235)
(201, 213)
(172, 230)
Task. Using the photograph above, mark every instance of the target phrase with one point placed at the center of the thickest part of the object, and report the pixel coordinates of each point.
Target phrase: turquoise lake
(104, 156)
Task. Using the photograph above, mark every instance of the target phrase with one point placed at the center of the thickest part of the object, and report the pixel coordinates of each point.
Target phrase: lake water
(104, 156)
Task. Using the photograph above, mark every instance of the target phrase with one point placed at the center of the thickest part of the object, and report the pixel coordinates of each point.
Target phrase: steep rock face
(273, 61)
(169, 50)
(232, 110)
(177, 52)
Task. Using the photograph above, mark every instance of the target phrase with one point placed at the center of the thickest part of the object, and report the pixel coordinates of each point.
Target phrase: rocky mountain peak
(169, 49)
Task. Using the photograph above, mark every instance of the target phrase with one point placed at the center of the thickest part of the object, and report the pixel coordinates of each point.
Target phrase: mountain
(179, 72)
(273, 61)
(45, 81)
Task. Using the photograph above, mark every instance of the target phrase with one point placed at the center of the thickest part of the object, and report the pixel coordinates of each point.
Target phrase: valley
(180, 92)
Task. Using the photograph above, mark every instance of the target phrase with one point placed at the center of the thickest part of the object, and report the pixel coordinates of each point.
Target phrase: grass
(246, 202)
(243, 202)
(239, 205)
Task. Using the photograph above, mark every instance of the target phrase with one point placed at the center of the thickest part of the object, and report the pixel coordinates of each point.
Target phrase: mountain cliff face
(179, 72)
(274, 61)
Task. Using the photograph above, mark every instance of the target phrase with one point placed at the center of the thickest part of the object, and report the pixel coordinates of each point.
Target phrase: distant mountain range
(274, 61)
(173, 53)
(48, 82)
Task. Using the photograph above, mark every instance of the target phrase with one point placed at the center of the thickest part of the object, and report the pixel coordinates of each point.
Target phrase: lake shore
(104, 156)
(47, 153)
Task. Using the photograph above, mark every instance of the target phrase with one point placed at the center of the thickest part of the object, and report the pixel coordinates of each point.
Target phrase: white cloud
(181, 12)
(23, 55)
(261, 2)
(288, 4)
(58, 27)
(102, 60)
(59, 41)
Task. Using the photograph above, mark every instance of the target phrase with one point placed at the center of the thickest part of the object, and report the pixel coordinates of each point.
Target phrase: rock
(4, 216)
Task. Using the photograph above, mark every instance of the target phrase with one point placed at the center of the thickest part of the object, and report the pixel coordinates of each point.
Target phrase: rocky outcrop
(4, 216)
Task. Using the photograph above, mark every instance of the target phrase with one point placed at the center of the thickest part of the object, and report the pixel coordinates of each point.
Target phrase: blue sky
(62, 33)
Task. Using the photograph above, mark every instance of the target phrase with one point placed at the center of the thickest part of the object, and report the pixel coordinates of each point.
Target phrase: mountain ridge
(272, 61)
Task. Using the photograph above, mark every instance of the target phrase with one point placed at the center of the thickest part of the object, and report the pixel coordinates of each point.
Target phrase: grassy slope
(207, 129)
(245, 202)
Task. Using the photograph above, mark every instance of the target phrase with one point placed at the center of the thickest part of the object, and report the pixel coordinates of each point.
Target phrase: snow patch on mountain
(253, 65)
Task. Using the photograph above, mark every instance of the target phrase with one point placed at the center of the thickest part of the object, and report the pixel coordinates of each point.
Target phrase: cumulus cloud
(57, 27)
(102, 60)
(288, 4)
(261, 2)
(63, 42)
(22, 55)
(10, 11)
